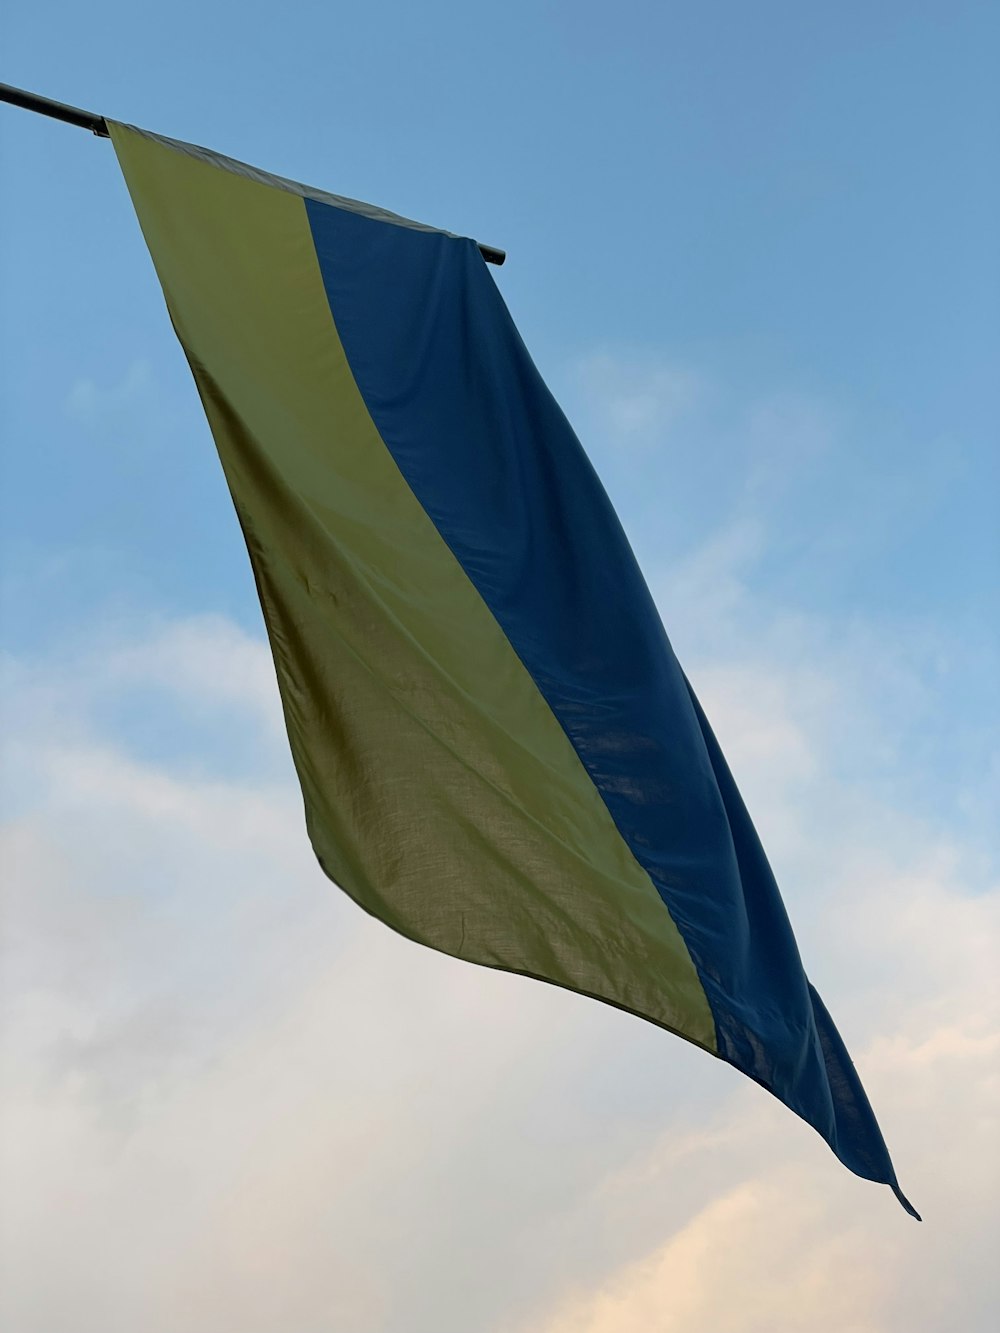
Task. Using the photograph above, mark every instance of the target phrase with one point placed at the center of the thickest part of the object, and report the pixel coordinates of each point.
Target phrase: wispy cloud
(125, 414)
(92, 404)
(635, 405)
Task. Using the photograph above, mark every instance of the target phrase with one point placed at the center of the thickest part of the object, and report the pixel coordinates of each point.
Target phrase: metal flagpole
(72, 115)
(90, 120)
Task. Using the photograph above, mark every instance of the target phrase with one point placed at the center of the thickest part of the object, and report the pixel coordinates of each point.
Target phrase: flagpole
(90, 120)
(45, 106)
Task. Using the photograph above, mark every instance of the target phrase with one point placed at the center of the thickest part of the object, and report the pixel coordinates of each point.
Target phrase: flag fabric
(499, 754)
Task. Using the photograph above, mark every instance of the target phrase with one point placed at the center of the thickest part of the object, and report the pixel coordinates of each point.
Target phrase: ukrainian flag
(499, 754)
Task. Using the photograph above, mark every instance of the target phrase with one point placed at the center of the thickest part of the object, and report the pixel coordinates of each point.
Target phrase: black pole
(89, 120)
(72, 115)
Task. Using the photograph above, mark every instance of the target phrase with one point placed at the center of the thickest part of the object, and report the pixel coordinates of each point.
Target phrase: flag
(499, 754)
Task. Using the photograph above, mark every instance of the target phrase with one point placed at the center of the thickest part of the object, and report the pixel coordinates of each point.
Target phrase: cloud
(198, 690)
(753, 1260)
(633, 405)
(899, 924)
(751, 451)
(787, 434)
(199, 655)
(124, 414)
(772, 1240)
(232, 1101)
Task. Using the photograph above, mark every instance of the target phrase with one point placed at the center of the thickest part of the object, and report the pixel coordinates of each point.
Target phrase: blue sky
(752, 248)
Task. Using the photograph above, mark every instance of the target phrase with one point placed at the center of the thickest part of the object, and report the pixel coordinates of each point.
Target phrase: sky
(752, 250)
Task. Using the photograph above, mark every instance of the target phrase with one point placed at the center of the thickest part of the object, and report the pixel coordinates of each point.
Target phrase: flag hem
(231, 164)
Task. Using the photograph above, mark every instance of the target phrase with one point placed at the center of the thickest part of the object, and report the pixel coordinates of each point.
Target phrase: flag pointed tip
(905, 1202)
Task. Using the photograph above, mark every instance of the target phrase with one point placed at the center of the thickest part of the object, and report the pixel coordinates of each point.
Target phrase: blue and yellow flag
(499, 754)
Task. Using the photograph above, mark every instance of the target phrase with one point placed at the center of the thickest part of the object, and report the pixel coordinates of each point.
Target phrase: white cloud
(899, 927)
(205, 658)
(756, 1259)
(232, 1101)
